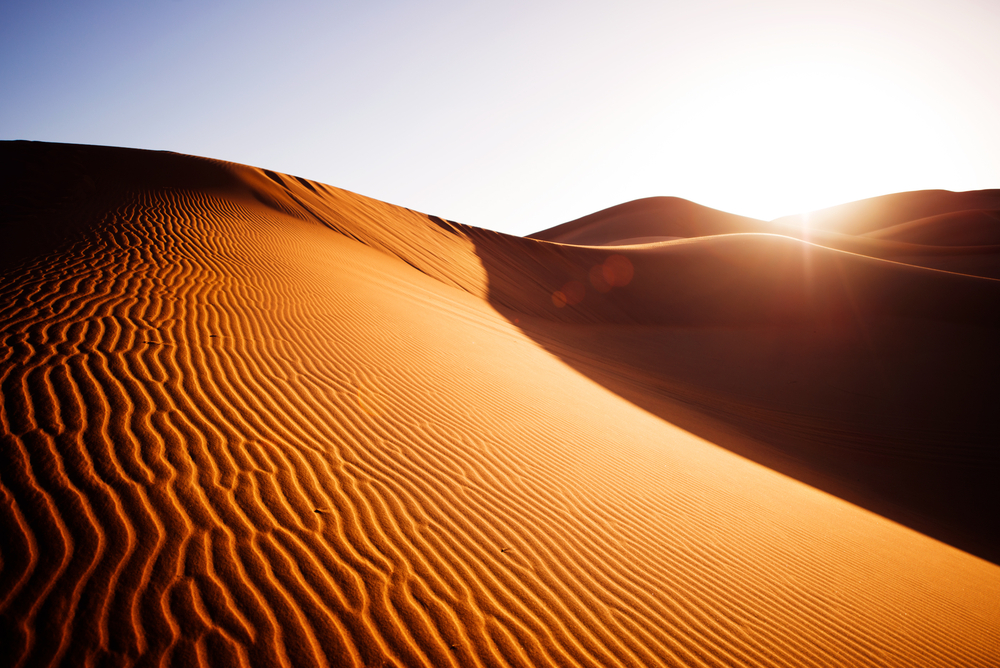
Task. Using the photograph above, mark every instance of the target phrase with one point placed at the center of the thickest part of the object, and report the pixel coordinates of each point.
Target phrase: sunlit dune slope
(250, 419)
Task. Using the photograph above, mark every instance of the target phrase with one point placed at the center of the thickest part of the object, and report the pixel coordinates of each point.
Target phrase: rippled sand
(250, 419)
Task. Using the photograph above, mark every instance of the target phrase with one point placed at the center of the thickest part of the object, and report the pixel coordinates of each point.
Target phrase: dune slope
(249, 419)
(846, 361)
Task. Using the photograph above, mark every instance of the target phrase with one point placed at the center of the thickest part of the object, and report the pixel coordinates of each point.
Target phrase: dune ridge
(249, 419)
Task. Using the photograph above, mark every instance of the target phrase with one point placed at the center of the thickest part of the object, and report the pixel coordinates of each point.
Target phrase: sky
(518, 116)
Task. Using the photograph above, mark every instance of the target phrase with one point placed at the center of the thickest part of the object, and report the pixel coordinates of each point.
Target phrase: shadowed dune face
(874, 380)
(250, 419)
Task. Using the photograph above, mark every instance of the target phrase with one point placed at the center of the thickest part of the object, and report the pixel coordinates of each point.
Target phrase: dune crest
(250, 419)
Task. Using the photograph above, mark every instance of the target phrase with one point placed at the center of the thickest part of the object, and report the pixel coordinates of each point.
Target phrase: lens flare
(597, 279)
(618, 271)
(570, 294)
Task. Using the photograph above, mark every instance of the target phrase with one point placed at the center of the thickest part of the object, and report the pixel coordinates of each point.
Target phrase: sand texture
(250, 419)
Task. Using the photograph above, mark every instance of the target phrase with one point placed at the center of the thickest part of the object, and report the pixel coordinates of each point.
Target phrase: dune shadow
(892, 409)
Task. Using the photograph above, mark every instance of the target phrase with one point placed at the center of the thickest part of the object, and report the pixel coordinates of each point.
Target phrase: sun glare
(793, 135)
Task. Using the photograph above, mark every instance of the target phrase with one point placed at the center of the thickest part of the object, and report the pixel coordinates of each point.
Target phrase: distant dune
(251, 419)
(650, 217)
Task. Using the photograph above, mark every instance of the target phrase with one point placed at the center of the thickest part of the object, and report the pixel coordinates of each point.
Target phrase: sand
(250, 419)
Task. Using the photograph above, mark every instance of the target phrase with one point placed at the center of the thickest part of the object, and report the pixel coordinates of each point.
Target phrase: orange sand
(253, 419)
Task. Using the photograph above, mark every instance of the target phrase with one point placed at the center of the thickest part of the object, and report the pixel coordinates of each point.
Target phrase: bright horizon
(521, 116)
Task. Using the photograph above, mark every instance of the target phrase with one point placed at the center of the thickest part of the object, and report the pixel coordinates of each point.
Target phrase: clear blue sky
(517, 116)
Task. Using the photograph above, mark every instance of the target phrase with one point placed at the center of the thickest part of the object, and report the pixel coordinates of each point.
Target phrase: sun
(799, 133)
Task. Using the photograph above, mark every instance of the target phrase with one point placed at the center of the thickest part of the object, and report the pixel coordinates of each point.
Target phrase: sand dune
(868, 215)
(650, 217)
(250, 419)
(956, 228)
